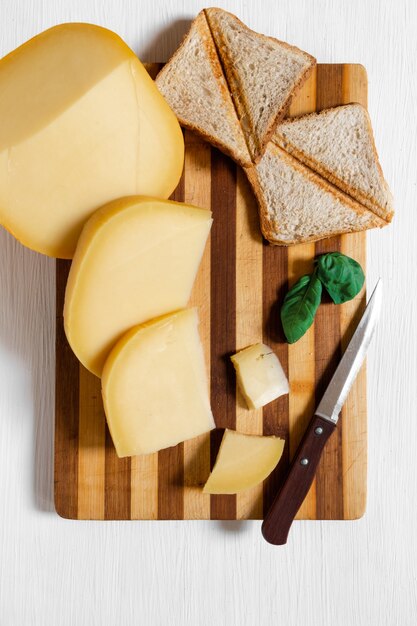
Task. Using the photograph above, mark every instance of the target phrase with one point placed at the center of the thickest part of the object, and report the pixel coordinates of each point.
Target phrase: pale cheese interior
(154, 384)
(137, 259)
(243, 461)
(260, 375)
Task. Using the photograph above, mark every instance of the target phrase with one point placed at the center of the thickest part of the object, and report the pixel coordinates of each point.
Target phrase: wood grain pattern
(238, 289)
(197, 451)
(66, 410)
(91, 447)
(354, 434)
(116, 483)
(249, 321)
(301, 356)
(301, 369)
(276, 414)
(327, 350)
(223, 313)
(171, 460)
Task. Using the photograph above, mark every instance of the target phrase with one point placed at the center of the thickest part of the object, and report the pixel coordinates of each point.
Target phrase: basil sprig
(342, 278)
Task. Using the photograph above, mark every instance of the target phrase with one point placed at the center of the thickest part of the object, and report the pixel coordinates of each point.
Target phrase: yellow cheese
(82, 123)
(154, 386)
(136, 259)
(243, 461)
(260, 375)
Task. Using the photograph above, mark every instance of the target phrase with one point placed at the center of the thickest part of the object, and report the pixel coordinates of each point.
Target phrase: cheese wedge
(259, 375)
(154, 386)
(243, 461)
(82, 123)
(136, 259)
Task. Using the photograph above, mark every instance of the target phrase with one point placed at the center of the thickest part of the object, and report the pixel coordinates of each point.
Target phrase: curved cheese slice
(136, 259)
(82, 124)
(154, 386)
(243, 461)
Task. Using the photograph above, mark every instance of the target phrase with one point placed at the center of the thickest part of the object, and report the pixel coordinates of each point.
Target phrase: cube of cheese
(136, 259)
(154, 386)
(260, 375)
(243, 461)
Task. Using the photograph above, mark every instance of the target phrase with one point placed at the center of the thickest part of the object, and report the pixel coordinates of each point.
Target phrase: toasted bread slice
(296, 205)
(263, 74)
(338, 143)
(194, 85)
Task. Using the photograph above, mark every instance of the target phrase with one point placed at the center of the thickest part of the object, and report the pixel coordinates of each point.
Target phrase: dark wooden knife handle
(302, 470)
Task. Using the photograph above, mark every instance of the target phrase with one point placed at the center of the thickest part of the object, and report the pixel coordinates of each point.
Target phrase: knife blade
(278, 520)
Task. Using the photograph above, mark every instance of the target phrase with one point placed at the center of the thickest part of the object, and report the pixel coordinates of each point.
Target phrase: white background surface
(58, 572)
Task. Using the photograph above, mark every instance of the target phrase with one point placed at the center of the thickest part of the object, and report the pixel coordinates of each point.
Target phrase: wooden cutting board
(239, 286)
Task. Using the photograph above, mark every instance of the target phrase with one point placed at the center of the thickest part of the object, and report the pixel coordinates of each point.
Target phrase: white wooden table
(55, 572)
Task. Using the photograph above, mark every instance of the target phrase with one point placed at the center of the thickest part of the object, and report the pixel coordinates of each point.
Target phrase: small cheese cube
(260, 375)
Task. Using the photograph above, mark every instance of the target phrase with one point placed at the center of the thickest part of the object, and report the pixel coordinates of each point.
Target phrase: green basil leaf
(342, 276)
(300, 306)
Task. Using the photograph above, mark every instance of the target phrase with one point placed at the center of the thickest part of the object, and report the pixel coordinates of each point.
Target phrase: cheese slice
(154, 386)
(82, 124)
(259, 375)
(136, 259)
(243, 461)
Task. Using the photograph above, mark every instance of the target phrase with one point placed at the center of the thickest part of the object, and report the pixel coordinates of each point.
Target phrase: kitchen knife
(303, 467)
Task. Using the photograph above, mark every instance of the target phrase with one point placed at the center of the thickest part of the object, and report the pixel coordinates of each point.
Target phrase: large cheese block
(243, 461)
(136, 259)
(82, 123)
(154, 386)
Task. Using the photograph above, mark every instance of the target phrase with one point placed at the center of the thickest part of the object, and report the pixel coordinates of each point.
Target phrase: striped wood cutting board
(240, 282)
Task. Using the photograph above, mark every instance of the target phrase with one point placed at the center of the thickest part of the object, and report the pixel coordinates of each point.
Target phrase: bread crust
(226, 80)
(278, 115)
(270, 231)
(283, 110)
(369, 202)
(221, 82)
(227, 90)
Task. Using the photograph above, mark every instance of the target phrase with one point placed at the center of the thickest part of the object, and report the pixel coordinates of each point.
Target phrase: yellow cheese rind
(243, 461)
(82, 124)
(260, 375)
(136, 259)
(154, 386)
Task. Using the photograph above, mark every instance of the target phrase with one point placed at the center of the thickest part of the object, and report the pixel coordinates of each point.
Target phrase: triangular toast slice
(296, 205)
(338, 144)
(263, 74)
(195, 88)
